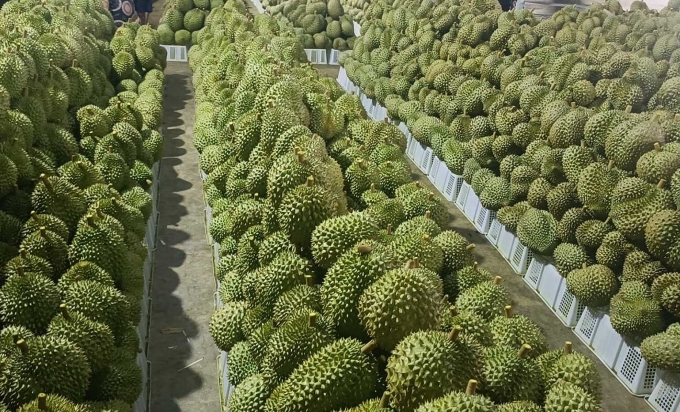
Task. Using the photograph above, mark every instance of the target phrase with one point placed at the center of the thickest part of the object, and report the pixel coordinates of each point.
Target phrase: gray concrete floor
(182, 354)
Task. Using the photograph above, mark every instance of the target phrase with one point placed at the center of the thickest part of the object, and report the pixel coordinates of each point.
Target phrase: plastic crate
(506, 242)
(402, 126)
(317, 56)
(471, 205)
(366, 102)
(595, 329)
(333, 57)
(411, 147)
(452, 186)
(534, 273)
(666, 394)
(549, 286)
(634, 371)
(207, 212)
(463, 193)
(567, 306)
(357, 29)
(379, 113)
(176, 53)
(520, 257)
(343, 80)
(434, 169)
(483, 219)
(494, 232)
(426, 160)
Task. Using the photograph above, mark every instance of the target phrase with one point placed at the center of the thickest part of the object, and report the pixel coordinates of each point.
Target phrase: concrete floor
(182, 354)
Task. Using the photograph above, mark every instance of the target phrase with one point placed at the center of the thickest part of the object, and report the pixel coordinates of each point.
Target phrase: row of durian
(566, 126)
(318, 24)
(336, 275)
(81, 104)
(183, 19)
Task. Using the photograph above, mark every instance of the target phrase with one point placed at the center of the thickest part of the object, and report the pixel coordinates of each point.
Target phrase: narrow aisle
(181, 351)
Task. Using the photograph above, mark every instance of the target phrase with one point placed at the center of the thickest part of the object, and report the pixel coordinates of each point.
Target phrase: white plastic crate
(207, 215)
(402, 126)
(411, 147)
(595, 329)
(366, 102)
(176, 53)
(442, 178)
(426, 160)
(379, 113)
(567, 306)
(333, 57)
(483, 219)
(141, 404)
(506, 242)
(471, 205)
(463, 193)
(634, 371)
(434, 169)
(317, 56)
(343, 80)
(666, 394)
(494, 232)
(452, 186)
(357, 29)
(520, 257)
(549, 286)
(534, 273)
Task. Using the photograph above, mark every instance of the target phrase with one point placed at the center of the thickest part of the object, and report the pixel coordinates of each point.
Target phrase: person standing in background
(144, 8)
(121, 10)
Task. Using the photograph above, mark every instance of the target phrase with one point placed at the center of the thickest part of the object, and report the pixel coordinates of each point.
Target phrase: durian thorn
(508, 311)
(657, 147)
(471, 387)
(368, 348)
(23, 346)
(428, 214)
(364, 249)
(309, 281)
(524, 350)
(362, 148)
(453, 335)
(43, 231)
(470, 247)
(64, 311)
(497, 280)
(312, 318)
(90, 220)
(42, 402)
(310, 181)
(568, 348)
(453, 310)
(385, 400)
(661, 184)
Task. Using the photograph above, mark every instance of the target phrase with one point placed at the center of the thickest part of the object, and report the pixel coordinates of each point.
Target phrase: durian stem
(23, 346)
(607, 220)
(43, 231)
(471, 387)
(428, 214)
(610, 164)
(23, 253)
(20, 271)
(583, 144)
(430, 196)
(508, 311)
(661, 183)
(90, 220)
(470, 247)
(474, 265)
(42, 402)
(389, 229)
(15, 338)
(453, 335)
(497, 280)
(364, 249)
(45, 180)
(312, 319)
(416, 263)
(524, 350)
(453, 310)
(64, 311)
(385, 400)
(310, 181)
(368, 348)
(568, 348)
(34, 215)
(657, 147)
(300, 157)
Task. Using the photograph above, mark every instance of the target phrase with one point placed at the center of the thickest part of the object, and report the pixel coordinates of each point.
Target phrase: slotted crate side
(379, 113)
(471, 205)
(549, 286)
(411, 145)
(634, 371)
(317, 56)
(333, 57)
(452, 186)
(176, 53)
(434, 169)
(494, 232)
(520, 257)
(343, 80)
(426, 160)
(534, 273)
(666, 394)
(483, 218)
(461, 199)
(587, 325)
(567, 307)
(506, 242)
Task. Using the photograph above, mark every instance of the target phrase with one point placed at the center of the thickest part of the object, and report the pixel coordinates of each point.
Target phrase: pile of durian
(318, 24)
(183, 19)
(80, 105)
(340, 288)
(568, 127)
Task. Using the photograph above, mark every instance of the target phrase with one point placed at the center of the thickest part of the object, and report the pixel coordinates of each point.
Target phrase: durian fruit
(401, 302)
(474, 327)
(661, 237)
(663, 349)
(519, 406)
(419, 224)
(250, 395)
(570, 257)
(100, 303)
(516, 330)
(346, 281)
(639, 266)
(333, 237)
(634, 202)
(537, 229)
(339, 375)
(464, 279)
(285, 272)
(50, 403)
(458, 252)
(487, 299)
(241, 363)
(296, 340)
(509, 374)
(429, 364)
(458, 401)
(574, 368)
(99, 242)
(49, 246)
(122, 379)
(225, 325)
(422, 201)
(633, 312)
(305, 296)
(564, 396)
(593, 285)
(666, 291)
(590, 233)
(30, 300)
(418, 246)
(612, 251)
(373, 405)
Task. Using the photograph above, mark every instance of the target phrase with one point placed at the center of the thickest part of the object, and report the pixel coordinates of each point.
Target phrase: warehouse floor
(183, 357)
